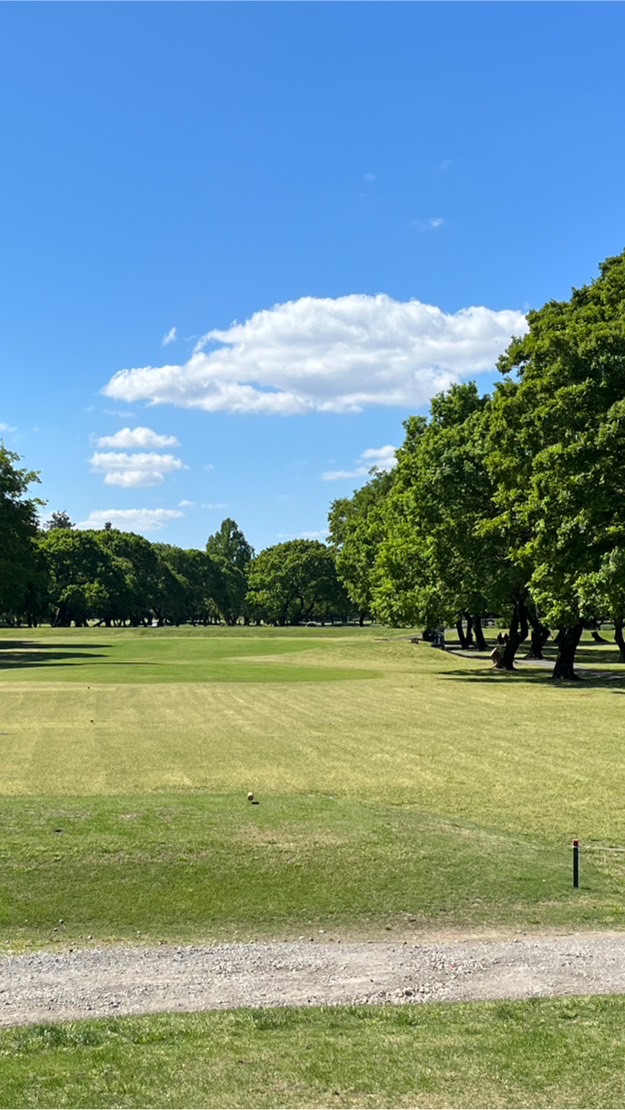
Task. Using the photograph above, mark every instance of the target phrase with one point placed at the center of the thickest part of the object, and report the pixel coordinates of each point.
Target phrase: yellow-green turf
(568, 1053)
(399, 787)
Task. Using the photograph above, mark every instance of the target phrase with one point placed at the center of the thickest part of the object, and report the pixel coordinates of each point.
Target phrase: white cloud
(446, 164)
(138, 437)
(382, 458)
(137, 469)
(7, 427)
(131, 520)
(320, 535)
(171, 337)
(431, 224)
(328, 355)
(184, 504)
(369, 177)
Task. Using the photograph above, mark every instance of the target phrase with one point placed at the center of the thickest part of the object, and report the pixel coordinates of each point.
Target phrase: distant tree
(84, 579)
(357, 528)
(137, 566)
(229, 545)
(201, 579)
(296, 581)
(59, 519)
(19, 567)
(231, 552)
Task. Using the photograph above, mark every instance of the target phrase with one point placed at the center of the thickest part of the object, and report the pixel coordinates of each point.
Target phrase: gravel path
(103, 982)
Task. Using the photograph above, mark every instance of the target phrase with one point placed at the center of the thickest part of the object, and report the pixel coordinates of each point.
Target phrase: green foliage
(229, 545)
(296, 581)
(19, 566)
(232, 555)
(436, 560)
(84, 578)
(557, 449)
(356, 531)
(59, 519)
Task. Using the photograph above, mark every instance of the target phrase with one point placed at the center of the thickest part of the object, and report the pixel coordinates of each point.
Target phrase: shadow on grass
(23, 660)
(37, 645)
(540, 677)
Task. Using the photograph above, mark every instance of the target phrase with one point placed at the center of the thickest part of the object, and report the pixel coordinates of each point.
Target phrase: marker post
(576, 854)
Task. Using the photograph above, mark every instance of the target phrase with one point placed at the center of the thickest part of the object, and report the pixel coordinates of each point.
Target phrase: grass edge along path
(540, 1053)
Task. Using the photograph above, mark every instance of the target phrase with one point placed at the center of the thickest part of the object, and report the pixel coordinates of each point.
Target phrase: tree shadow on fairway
(20, 656)
(615, 683)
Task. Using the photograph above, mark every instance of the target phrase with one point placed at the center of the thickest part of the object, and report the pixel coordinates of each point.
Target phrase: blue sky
(239, 242)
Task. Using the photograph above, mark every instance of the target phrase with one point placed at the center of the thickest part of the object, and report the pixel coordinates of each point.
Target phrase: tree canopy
(19, 565)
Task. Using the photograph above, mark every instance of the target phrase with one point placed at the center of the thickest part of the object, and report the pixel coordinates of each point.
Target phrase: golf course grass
(399, 790)
(561, 1053)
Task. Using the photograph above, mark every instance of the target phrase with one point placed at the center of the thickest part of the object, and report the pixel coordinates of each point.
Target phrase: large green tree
(558, 428)
(231, 552)
(201, 579)
(357, 528)
(20, 569)
(438, 562)
(84, 578)
(296, 581)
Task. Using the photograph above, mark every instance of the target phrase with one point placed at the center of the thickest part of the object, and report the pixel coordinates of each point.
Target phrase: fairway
(162, 656)
(399, 788)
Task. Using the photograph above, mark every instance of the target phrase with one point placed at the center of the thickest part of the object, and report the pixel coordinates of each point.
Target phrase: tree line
(510, 504)
(66, 576)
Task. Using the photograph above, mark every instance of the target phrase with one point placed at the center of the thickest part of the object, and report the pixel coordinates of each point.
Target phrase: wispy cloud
(171, 337)
(184, 504)
(369, 177)
(136, 469)
(123, 414)
(431, 224)
(445, 165)
(7, 427)
(131, 520)
(382, 458)
(138, 437)
(328, 355)
(321, 534)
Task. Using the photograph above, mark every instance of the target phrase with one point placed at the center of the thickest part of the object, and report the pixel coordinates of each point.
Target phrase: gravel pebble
(100, 982)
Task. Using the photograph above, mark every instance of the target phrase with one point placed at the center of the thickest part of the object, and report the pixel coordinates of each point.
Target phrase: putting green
(160, 656)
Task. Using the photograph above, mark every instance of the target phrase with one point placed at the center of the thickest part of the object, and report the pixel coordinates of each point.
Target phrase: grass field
(400, 790)
(541, 1053)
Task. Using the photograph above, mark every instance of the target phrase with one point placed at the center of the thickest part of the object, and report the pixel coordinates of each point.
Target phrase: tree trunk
(469, 632)
(565, 662)
(480, 642)
(464, 643)
(540, 635)
(519, 629)
(618, 636)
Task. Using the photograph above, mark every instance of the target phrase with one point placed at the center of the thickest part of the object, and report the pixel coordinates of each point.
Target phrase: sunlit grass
(428, 792)
(542, 1053)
